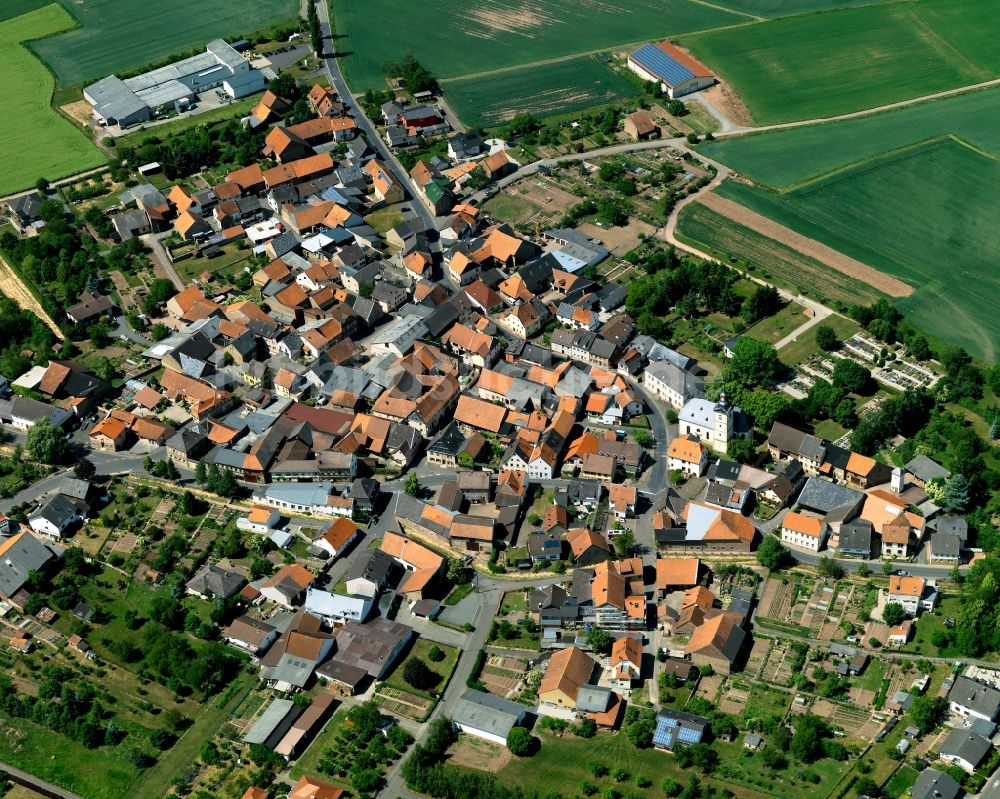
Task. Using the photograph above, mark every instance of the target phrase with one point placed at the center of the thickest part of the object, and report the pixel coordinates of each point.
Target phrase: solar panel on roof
(655, 61)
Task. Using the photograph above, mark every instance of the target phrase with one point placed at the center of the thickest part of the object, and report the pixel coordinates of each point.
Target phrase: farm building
(133, 100)
(676, 72)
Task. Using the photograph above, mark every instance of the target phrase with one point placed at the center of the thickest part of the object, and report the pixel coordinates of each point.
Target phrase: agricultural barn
(134, 100)
(671, 67)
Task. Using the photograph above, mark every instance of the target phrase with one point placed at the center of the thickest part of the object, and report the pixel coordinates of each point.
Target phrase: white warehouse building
(133, 100)
(676, 72)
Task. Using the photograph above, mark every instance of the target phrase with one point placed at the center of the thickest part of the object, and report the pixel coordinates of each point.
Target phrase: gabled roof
(568, 670)
(720, 636)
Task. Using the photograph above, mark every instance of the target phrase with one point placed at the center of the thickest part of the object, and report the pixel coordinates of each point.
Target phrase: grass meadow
(561, 87)
(453, 38)
(819, 65)
(39, 142)
(117, 35)
(925, 215)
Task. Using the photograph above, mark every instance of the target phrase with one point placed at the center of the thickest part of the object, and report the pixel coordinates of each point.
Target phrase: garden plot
(758, 656)
(771, 590)
(734, 700)
(504, 676)
(403, 703)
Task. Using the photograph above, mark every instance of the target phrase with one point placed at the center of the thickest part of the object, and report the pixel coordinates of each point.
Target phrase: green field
(772, 260)
(117, 35)
(785, 8)
(783, 158)
(453, 38)
(819, 65)
(39, 142)
(561, 87)
(926, 215)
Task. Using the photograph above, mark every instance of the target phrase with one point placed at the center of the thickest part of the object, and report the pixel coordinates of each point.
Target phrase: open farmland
(785, 8)
(783, 158)
(820, 65)
(454, 38)
(925, 215)
(556, 88)
(771, 260)
(117, 35)
(38, 142)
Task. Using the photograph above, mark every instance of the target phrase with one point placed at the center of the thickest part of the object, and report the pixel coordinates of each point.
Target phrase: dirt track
(806, 246)
(11, 286)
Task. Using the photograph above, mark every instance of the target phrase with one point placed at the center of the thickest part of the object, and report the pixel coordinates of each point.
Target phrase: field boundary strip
(810, 247)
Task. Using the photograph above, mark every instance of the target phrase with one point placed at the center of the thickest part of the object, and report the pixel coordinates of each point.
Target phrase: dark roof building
(676, 728)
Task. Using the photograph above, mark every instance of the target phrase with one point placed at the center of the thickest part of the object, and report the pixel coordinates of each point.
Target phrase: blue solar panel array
(670, 731)
(656, 62)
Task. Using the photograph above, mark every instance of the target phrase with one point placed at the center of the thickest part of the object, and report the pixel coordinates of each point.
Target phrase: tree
(625, 543)
(417, 674)
(640, 732)
(852, 376)
(158, 332)
(85, 469)
(955, 498)
(226, 485)
(764, 302)
(828, 567)
(826, 338)
(865, 786)
(642, 438)
(893, 613)
(520, 742)
(771, 554)
(807, 739)
(599, 640)
(45, 442)
(435, 655)
(412, 485)
(928, 711)
(741, 450)
(754, 363)
(200, 473)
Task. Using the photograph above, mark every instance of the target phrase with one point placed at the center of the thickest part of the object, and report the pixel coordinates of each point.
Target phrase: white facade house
(337, 608)
(974, 700)
(261, 520)
(715, 423)
(670, 383)
(315, 498)
(914, 594)
(687, 455)
(804, 532)
(56, 515)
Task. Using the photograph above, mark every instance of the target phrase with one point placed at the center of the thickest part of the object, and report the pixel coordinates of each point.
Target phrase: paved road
(376, 142)
(124, 329)
(162, 260)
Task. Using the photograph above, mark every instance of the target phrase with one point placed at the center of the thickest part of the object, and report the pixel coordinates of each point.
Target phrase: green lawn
(310, 758)
(443, 669)
(452, 38)
(805, 346)
(820, 65)
(925, 216)
(508, 208)
(829, 430)
(543, 90)
(234, 110)
(384, 218)
(231, 255)
(38, 142)
(212, 715)
(118, 35)
(94, 774)
(768, 259)
(901, 782)
(774, 328)
(928, 624)
(562, 763)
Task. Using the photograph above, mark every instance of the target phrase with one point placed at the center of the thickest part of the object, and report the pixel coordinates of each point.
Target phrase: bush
(520, 742)
(435, 655)
(418, 674)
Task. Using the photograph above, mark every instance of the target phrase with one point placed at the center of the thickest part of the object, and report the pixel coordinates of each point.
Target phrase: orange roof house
(717, 643)
(687, 449)
(626, 659)
(314, 788)
(422, 564)
(478, 414)
(568, 670)
(676, 573)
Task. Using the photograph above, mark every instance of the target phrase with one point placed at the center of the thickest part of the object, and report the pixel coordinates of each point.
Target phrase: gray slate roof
(823, 496)
(487, 712)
